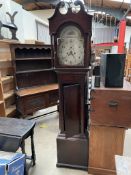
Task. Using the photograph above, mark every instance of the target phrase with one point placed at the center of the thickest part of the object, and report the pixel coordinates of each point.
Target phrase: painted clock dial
(70, 47)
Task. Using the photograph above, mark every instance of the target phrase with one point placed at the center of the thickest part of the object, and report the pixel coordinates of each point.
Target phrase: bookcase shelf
(39, 58)
(7, 79)
(8, 94)
(36, 80)
(31, 71)
(37, 90)
(10, 110)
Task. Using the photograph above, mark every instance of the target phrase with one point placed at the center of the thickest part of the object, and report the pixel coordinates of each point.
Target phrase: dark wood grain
(105, 143)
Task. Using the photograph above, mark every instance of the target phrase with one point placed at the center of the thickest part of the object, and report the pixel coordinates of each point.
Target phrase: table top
(126, 87)
(15, 127)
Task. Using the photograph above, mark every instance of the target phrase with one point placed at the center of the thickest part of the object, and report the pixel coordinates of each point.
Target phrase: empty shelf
(36, 90)
(36, 70)
(35, 58)
(10, 110)
(8, 94)
(7, 79)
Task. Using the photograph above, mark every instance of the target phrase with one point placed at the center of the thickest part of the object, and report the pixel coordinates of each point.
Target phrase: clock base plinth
(72, 152)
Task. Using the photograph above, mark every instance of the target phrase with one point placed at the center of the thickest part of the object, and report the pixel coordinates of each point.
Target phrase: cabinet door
(72, 109)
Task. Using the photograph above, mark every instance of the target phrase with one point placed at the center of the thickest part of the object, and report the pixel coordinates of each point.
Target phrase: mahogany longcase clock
(70, 30)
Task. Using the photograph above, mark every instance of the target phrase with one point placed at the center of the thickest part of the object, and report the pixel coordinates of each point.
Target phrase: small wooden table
(13, 133)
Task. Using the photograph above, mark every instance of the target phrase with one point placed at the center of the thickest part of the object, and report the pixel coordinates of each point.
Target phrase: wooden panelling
(31, 103)
(104, 144)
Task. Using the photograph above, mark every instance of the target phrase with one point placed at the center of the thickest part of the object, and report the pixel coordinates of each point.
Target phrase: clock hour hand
(70, 53)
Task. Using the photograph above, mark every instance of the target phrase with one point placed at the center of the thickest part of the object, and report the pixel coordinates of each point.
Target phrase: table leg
(23, 151)
(23, 147)
(33, 148)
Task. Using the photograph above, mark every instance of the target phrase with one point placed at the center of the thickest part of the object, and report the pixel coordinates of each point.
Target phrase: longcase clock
(70, 30)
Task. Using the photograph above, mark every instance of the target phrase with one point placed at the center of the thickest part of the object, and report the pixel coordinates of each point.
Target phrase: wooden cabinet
(36, 80)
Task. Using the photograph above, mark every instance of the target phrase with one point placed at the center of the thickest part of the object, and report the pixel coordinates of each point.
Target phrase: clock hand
(71, 53)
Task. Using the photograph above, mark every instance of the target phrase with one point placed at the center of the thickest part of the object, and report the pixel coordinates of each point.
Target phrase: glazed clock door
(70, 47)
(72, 109)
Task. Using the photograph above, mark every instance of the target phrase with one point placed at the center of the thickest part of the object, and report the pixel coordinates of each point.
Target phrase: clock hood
(81, 18)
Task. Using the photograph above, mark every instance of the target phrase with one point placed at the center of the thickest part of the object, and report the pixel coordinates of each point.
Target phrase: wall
(128, 35)
(25, 21)
(97, 35)
(44, 14)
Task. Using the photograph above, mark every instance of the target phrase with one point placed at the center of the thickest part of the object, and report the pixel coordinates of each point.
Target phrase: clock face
(70, 48)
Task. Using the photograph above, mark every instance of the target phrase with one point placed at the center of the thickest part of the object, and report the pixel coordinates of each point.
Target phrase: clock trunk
(72, 142)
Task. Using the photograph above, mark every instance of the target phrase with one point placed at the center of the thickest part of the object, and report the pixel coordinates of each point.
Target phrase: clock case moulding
(72, 141)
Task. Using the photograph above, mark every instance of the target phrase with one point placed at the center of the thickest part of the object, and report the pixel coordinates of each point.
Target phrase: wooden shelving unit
(7, 87)
(36, 80)
(7, 96)
(128, 68)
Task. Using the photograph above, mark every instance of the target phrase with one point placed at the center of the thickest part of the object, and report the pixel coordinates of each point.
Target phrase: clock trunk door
(72, 110)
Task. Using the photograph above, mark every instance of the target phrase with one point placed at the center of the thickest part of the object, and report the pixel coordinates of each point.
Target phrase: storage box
(12, 163)
(112, 69)
(123, 165)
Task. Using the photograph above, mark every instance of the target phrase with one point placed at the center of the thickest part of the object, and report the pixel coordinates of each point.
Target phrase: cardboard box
(12, 163)
(123, 165)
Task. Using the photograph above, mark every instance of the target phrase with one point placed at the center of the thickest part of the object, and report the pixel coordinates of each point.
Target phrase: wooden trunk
(111, 106)
(104, 144)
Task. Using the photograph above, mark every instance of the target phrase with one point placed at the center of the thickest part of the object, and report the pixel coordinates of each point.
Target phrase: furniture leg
(33, 156)
(23, 151)
(23, 147)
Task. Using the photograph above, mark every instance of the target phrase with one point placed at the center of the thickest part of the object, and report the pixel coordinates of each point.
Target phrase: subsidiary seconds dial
(71, 47)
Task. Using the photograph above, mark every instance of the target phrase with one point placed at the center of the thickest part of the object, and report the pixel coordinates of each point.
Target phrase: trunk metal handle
(113, 103)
